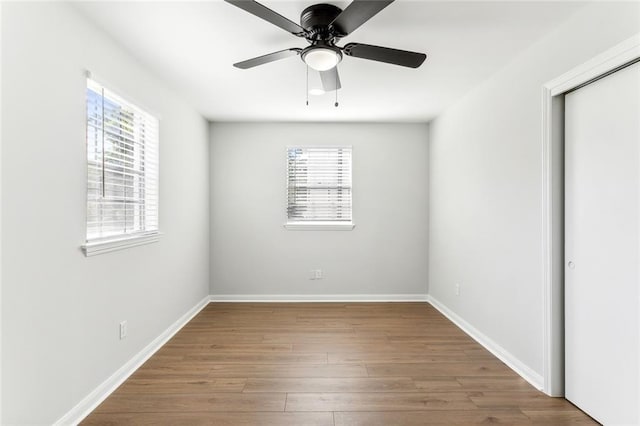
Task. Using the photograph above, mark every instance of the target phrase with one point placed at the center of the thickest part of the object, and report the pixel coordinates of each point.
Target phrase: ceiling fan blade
(261, 11)
(330, 79)
(265, 59)
(357, 13)
(385, 54)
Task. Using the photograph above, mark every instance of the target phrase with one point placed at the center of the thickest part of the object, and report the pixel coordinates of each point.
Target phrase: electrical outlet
(457, 289)
(315, 274)
(123, 330)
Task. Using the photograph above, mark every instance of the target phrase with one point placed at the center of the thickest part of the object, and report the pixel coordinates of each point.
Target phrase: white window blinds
(122, 154)
(319, 184)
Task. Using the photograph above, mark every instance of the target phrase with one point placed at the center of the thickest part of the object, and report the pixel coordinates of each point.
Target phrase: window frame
(125, 240)
(317, 225)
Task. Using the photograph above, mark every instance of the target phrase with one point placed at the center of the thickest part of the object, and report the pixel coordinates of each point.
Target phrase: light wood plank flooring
(327, 364)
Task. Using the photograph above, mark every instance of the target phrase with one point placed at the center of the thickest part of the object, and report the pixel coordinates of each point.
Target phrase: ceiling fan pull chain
(307, 91)
(336, 104)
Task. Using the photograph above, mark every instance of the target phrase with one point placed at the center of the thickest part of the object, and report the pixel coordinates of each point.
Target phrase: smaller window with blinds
(319, 191)
(122, 159)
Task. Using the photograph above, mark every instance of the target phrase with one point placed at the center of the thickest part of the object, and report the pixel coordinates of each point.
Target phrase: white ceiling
(192, 46)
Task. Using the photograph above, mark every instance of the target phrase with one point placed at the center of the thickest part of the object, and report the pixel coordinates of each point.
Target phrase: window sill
(119, 243)
(319, 226)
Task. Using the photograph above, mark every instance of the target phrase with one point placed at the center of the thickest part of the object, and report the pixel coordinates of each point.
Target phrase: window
(319, 188)
(122, 159)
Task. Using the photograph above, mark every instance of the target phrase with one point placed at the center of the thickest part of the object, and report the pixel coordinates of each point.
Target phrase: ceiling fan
(323, 25)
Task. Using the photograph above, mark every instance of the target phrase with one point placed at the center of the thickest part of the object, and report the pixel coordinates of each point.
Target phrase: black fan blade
(385, 54)
(357, 13)
(261, 11)
(330, 79)
(265, 59)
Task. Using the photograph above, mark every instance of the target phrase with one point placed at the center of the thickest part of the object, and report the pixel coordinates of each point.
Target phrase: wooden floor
(327, 364)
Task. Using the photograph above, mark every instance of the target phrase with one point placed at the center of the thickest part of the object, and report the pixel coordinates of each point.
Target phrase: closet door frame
(553, 93)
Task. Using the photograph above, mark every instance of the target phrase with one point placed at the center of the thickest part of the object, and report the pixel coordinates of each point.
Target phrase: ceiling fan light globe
(322, 59)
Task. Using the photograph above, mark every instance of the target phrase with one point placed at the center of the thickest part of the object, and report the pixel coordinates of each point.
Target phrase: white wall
(486, 185)
(60, 310)
(251, 252)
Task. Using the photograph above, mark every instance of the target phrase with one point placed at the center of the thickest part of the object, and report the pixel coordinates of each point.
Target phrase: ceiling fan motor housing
(316, 19)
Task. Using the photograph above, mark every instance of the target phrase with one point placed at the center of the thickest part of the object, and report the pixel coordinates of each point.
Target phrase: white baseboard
(512, 362)
(319, 298)
(99, 394)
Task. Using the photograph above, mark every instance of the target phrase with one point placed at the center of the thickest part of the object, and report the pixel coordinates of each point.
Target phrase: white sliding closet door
(602, 257)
